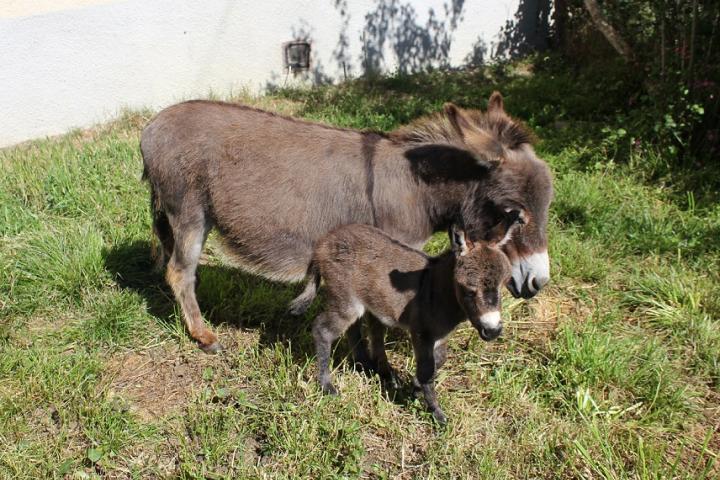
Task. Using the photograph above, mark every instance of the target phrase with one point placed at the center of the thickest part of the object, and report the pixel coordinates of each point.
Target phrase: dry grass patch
(159, 382)
(536, 321)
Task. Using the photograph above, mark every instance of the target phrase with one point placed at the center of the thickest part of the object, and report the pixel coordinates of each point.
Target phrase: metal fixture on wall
(296, 56)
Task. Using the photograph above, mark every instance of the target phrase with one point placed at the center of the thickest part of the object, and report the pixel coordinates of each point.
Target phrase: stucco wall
(73, 63)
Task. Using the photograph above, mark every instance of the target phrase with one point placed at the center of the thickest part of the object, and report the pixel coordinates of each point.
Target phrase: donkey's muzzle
(528, 289)
(529, 275)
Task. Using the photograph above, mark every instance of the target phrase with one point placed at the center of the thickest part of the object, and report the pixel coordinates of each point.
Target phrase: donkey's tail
(303, 301)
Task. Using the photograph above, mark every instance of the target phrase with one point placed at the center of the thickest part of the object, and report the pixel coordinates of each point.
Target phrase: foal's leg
(328, 327)
(361, 355)
(180, 275)
(376, 334)
(440, 353)
(163, 231)
(162, 251)
(425, 373)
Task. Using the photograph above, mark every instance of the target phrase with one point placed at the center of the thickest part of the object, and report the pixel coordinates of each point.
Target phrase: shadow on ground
(230, 297)
(227, 296)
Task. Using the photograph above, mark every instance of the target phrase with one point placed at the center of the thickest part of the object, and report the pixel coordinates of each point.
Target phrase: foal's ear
(495, 103)
(461, 245)
(457, 118)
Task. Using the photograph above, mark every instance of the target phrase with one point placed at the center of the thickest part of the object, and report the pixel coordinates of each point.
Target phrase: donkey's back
(272, 185)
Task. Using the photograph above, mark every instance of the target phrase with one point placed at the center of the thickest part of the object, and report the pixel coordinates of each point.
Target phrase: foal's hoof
(329, 389)
(365, 365)
(212, 349)
(390, 379)
(439, 417)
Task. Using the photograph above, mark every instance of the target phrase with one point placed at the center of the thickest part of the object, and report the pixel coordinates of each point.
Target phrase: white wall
(73, 63)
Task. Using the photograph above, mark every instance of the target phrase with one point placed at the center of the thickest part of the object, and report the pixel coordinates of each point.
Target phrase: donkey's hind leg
(189, 240)
(163, 231)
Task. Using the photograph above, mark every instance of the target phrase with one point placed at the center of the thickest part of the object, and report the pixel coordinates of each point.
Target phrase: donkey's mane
(437, 128)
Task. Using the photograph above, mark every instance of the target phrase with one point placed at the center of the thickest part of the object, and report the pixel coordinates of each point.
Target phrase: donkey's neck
(443, 203)
(445, 173)
(415, 190)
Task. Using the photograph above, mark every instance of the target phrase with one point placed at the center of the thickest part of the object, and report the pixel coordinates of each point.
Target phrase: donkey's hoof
(213, 348)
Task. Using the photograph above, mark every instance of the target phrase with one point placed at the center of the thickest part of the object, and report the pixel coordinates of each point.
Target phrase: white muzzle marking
(490, 320)
(532, 271)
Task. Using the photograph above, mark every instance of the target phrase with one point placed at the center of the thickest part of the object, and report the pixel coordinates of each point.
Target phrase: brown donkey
(272, 186)
(366, 270)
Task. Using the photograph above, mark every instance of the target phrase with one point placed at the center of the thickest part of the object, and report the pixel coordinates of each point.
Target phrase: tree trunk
(612, 36)
(560, 21)
(692, 43)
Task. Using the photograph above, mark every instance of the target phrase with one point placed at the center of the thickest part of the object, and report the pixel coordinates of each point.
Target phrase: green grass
(612, 372)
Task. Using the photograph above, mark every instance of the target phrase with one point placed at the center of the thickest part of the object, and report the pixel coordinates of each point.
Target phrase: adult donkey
(273, 185)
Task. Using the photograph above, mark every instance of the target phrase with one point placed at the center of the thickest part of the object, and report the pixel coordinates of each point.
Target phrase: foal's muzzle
(529, 275)
(489, 326)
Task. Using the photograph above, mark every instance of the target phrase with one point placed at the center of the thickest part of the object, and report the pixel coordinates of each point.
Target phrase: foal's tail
(163, 242)
(303, 301)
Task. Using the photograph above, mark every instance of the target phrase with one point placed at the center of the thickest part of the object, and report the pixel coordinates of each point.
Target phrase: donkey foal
(366, 270)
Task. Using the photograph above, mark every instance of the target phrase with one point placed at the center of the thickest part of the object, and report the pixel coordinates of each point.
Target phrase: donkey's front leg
(425, 373)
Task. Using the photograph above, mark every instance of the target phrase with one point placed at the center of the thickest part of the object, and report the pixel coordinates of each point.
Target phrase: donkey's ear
(460, 244)
(495, 103)
(492, 151)
(457, 118)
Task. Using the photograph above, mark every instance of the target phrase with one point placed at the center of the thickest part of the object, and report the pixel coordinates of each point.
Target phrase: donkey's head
(481, 270)
(516, 180)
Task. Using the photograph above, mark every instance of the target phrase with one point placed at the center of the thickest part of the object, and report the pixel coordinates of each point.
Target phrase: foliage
(674, 59)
